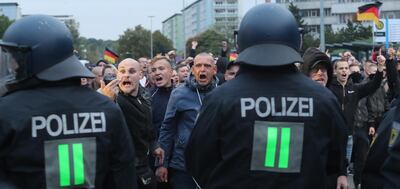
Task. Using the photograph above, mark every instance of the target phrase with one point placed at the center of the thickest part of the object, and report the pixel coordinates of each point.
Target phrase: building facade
(10, 10)
(222, 15)
(172, 28)
(338, 12)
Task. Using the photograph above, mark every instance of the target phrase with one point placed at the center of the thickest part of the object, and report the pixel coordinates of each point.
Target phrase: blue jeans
(349, 148)
(181, 179)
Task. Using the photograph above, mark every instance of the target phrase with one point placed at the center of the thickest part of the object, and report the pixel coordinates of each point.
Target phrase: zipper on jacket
(344, 96)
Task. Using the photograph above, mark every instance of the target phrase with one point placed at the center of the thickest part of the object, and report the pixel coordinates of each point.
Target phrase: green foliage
(161, 44)
(4, 23)
(208, 41)
(296, 13)
(73, 27)
(93, 48)
(136, 43)
(353, 31)
(309, 41)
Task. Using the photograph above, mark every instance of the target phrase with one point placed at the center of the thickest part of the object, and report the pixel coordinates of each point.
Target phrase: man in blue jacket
(182, 109)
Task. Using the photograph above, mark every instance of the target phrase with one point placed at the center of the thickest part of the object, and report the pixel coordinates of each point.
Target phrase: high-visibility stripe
(79, 169)
(63, 158)
(272, 137)
(284, 148)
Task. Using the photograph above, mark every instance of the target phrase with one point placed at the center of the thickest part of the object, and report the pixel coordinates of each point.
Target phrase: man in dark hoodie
(348, 94)
(182, 109)
(317, 66)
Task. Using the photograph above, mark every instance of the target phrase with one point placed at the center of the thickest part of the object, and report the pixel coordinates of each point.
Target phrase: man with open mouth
(349, 94)
(182, 109)
(135, 104)
(161, 71)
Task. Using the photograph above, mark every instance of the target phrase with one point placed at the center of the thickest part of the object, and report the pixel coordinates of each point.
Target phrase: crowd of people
(260, 121)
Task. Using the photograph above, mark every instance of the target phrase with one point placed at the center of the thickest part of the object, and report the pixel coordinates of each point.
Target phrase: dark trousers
(146, 178)
(360, 151)
(181, 179)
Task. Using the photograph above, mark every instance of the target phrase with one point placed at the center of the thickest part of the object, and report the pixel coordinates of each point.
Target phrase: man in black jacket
(135, 104)
(263, 129)
(54, 133)
(348, 94)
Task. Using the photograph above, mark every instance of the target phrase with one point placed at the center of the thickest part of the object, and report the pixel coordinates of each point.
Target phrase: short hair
(158, 58)
(107, 66)
(337, 61)
(179, 66)
(101, 60)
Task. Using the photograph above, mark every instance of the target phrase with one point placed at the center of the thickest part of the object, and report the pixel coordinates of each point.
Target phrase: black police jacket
(64, 136)
(349, 95)
(391, 166)
(372, 177)
(267, 129)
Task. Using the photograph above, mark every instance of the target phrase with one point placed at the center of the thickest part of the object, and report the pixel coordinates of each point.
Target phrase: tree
(309, 41)
(161, 44)
(93, 48)
(353, 31)
(209, 41)
(4, 23)
(296, 13)
(73, 27)
(136, 43)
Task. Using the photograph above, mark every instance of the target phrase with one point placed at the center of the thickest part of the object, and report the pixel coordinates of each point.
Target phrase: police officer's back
(53, 132)
(270, 127)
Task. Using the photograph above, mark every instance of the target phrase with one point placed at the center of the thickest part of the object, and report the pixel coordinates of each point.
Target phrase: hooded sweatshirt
(312, 57)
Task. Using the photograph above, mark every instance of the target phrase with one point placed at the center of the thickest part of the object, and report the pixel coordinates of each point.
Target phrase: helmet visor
(13, 62)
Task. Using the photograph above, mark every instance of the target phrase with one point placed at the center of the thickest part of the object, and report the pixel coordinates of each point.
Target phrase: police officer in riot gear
(271, 126)
(53, 132)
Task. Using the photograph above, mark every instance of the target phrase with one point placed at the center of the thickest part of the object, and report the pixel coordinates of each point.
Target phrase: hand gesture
(194, 44)
(342, 182)
(371, 131)
(111, 89)
(381, 62)
(162, 174)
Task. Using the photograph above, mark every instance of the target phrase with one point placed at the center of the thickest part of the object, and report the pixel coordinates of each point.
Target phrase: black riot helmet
(268, 36)
(38, 46)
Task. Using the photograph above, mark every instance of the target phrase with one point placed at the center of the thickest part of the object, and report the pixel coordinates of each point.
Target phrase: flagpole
(373, 36)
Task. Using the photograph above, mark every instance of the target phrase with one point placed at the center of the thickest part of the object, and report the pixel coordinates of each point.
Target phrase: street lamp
(151, 36)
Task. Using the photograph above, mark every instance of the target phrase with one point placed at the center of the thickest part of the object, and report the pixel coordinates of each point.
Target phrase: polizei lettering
(282, 106)
(67, 124)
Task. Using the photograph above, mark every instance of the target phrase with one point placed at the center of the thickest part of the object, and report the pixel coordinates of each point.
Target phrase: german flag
(370, 12)
(232, 57)
(110, 56)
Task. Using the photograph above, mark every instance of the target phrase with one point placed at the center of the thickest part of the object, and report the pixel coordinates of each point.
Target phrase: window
(219, 10)
(231, 10)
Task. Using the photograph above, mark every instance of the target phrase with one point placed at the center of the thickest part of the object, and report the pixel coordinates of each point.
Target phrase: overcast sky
(106, 19)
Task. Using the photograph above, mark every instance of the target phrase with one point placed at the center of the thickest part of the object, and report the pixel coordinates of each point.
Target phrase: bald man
(132, 100)
(182, 109)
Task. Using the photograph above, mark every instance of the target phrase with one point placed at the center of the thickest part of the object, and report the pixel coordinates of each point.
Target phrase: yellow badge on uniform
(394, 133)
